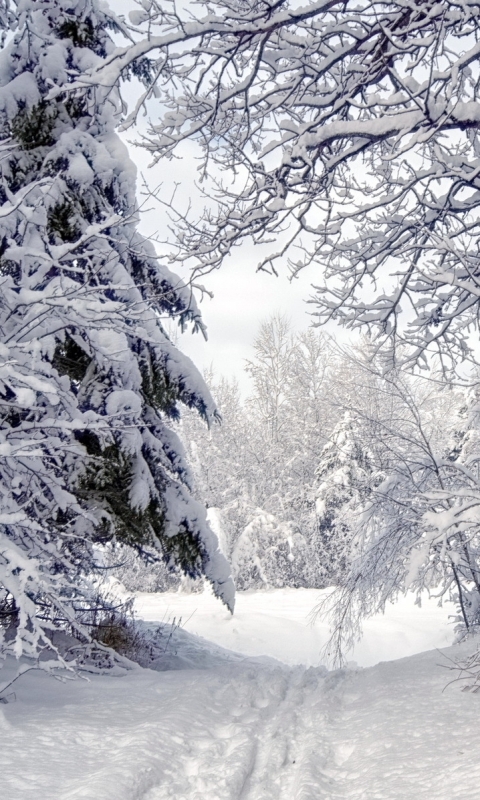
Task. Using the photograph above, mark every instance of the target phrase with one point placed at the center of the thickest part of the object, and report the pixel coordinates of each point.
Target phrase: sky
(242, 297)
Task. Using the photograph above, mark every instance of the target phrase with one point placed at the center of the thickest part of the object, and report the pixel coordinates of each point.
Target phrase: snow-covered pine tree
(89, 378)
(343, 476)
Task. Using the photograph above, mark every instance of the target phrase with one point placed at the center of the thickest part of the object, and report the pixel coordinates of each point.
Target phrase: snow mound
(175, 649)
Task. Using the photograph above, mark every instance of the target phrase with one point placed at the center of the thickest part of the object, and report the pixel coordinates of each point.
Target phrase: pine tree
(89, 380)
(343, 476)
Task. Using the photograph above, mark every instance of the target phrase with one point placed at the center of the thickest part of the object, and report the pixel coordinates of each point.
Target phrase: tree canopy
(352, 130)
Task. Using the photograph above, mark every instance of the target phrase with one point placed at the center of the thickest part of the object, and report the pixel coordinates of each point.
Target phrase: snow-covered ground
(278, 623)
(248, 728)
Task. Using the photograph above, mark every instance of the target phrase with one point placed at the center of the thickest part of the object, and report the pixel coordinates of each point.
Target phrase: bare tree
(271, 370)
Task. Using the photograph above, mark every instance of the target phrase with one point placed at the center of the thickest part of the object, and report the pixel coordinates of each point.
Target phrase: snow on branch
(89, 379)
(353, 128)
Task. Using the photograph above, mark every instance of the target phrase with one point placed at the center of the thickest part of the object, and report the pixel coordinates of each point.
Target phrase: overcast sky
(242, 297)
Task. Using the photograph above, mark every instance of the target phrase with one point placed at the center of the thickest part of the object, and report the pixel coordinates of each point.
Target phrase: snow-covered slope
(244, 731)
(278, 623)
(244, 728)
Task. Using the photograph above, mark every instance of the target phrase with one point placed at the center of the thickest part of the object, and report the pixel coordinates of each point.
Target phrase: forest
(337, 140)
(334, 471)
(331, 473)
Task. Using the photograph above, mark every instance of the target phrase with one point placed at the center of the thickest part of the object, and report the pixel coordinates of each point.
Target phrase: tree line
(337, 472)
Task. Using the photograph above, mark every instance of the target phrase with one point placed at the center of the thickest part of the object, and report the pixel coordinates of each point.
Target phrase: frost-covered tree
(352, 130)
(415, 526)
(271, 372)
(257, 469)
(453, 514)
(344, 474)
(312, 400)
(222, 458)
(270, 553)
(291, 414)
(89, 380)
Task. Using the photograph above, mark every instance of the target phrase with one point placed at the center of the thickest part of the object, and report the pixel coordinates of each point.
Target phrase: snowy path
(245, 730)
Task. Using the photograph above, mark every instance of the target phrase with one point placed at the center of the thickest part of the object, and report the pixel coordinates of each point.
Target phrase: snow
(278, 623)
(217, 726)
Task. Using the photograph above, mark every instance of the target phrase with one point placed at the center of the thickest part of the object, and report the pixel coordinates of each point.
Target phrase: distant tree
(271, 372)
(270, 553)
(291, 413)
(257, 469)
(223, 458)
(312, 400)
(344, 475)
(89, 381)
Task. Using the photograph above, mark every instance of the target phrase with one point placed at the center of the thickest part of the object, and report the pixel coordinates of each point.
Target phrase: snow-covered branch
(352, 127)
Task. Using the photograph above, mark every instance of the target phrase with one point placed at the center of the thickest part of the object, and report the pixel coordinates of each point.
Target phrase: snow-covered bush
(148, 573)
(89, 379)
(268, 554)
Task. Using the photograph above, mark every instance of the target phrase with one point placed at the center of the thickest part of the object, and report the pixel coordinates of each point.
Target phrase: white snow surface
(221, 726)
(278, 623)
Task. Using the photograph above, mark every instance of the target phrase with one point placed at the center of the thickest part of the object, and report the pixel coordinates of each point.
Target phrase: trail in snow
(245, 729)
